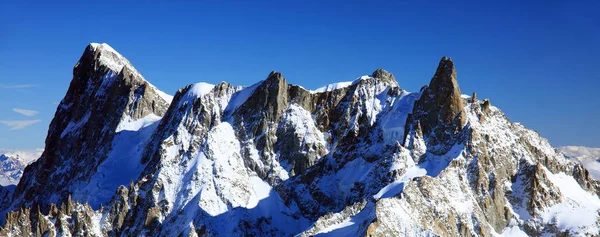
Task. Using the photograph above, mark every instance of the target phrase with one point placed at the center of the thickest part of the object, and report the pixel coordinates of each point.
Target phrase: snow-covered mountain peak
(274, 159)
(109, 57)
(107, 105)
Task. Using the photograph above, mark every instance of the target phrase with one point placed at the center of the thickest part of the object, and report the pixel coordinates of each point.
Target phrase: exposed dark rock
(81, 121)
(440, 110)
(382, 74)
(485, 106)
(333, 177)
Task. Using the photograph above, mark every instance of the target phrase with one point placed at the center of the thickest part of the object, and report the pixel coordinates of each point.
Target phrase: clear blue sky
(537, 61)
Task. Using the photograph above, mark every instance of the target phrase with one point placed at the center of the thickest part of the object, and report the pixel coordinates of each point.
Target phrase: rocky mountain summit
(363, 157)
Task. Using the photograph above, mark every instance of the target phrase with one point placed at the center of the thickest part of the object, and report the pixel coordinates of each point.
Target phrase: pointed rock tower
(80, 136)
(440, 110)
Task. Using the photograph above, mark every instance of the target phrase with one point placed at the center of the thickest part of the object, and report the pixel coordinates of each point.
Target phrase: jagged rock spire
(440, 110)
(270, 99)
(444, 87)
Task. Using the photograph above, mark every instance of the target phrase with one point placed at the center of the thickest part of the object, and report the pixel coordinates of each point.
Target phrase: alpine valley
(358, 158)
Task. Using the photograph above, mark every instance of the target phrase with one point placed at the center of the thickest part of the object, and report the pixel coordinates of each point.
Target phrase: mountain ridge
(358, 158)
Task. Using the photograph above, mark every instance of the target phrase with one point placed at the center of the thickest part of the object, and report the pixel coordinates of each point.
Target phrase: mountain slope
(273, 159)
(107, 101)
(589, 158)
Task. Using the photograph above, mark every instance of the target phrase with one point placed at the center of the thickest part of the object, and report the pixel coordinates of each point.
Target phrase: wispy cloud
(19, 124)
(26, 112)
(2, 86)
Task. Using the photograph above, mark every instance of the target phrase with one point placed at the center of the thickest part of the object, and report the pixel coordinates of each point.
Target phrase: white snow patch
(339, 85)
(110, 57)
(332, 87)
(350, 226)
(168, 98)
(304, 126)
(578, 210)
(200, 89)
(394, 121)
(115, 62)
(130, 124)
(240, 97)
(75, 125)
(123, 162)
(513, 231)
(396, 187)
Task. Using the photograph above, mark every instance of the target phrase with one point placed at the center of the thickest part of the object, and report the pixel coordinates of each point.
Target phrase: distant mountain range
(356, 158)
(13, 162)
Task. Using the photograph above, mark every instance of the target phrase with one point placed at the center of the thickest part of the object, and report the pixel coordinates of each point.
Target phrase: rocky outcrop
(440, 109)
(384, 76)
(274, 159)
(71, 219)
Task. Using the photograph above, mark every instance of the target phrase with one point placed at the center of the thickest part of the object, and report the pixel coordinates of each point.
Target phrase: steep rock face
(440, 110)
(106, 94)
(355, 158)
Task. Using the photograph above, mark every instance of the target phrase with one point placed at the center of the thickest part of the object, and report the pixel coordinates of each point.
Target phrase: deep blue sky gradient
(536, 60)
